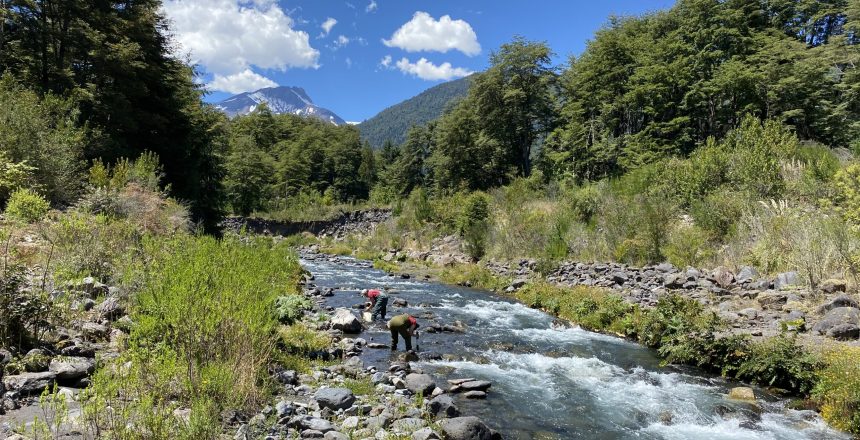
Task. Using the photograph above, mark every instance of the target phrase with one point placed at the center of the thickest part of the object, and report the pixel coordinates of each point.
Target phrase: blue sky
(358, 57)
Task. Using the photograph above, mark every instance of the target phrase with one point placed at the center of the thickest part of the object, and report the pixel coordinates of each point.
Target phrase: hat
(364, 292)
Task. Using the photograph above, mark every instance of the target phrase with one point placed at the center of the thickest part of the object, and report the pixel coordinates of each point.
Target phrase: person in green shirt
(402, 325)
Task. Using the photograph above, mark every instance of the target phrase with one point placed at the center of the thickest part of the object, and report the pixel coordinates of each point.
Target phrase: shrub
(779, 362)
(473, 275)
(26, 312)
(14, 175)
(838, 389)
(87, 245)
(719, 211)
(291, 308)
(847, 183)
(473, 224)
(27, 205)
(299, 339)
(757, 151)
(688, 246)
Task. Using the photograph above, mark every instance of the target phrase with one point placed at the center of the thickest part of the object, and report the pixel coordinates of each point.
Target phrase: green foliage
(719, 212)
(838, 389)
(688, 246)
(26, 311)
(27, 206)
(847, 182)
(291, 308)
(473, 275)
(392, 124)
(40, 142)
(473, 224)
(781, 363)
(299, 339)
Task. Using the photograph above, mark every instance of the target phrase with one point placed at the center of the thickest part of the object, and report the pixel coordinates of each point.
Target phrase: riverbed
(554, 381)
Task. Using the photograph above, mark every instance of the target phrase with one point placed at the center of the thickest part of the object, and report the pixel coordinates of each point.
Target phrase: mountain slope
(393, 122)
(281, 100)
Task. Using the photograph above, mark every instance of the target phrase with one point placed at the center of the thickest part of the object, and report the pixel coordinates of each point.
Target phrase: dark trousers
(379, 309)
(401, 331)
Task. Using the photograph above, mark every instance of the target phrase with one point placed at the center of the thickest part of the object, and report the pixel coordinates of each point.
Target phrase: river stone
(350, 423)
(466, 428)
(334, 398)
(379, 377)
(746, 274)
(833, 286)
(772, 299)
(835, 317)
(407, 425)
(345, 321)
(29, 383)
(475, 385)
(674, 280)
(839, 301)
(312, 423)
(71, 368)
(334, 435)
(312, 433)
(745, 394)
(786, 280)
(284, 409)
(95, 330)
(443, 406)
(420, 383)
(425, 434)
(723, 277)
(475, 395)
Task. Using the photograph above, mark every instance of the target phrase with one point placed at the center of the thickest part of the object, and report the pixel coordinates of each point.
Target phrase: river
(557, 382)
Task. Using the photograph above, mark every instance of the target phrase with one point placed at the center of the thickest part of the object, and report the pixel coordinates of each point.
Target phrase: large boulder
(836, 317)
(71, 368)
(345, 321)
(443, 406)
(466, 428)
(29, 383)
(334, 398)
(833, 286)
(747, 274)
(475, 385)
(420, 383)
(844, 332)
(111, 309)
(839, 301)
(786, 280)
(772, 299)
(723, 277)
(745, 394)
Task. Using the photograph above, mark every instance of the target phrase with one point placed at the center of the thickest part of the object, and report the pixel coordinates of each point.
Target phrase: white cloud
(341, 41)
(348, 63)
(426, 70)
(327, 26)
(228, 37)
(386, 62)
(424, 33)
(245, 81)
(371, 7)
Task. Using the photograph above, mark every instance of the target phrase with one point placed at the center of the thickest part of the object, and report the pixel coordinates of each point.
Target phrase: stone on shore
(420, 383)
(466, 428)
(334, 398)
(345, 321)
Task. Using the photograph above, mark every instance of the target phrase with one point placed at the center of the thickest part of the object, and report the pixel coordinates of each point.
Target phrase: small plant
(838, 389)
(291, 308)
(27, 205)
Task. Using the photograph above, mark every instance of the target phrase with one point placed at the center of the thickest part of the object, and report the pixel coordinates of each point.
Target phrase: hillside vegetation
(391, 124)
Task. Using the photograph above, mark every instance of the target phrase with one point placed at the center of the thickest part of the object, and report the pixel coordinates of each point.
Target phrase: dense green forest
(391, 124)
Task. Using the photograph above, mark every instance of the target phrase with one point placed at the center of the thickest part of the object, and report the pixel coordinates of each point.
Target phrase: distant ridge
(393, 122)
(281, 100)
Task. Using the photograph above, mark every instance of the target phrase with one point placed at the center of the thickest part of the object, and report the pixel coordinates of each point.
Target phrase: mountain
(393, 122)
(281, 100)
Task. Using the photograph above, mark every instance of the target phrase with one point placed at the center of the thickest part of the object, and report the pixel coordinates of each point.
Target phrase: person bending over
(402, 325)
(378, 303)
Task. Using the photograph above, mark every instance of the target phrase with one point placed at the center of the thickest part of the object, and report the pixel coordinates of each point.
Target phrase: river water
(557, 382)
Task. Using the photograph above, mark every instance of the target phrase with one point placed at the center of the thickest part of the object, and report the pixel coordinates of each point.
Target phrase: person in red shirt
(378, 303)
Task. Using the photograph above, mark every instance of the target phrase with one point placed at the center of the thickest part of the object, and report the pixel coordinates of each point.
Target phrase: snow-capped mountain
(281, 100)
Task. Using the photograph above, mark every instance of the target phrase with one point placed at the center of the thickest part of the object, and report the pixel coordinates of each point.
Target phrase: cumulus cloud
(424, 33)
(243, 81)
(327, 26)
(386, 61)
(371, 7)
(341, 41)
(426, 70)
(228, 37)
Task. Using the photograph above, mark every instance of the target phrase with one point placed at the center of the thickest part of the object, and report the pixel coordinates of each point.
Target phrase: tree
(249, 173)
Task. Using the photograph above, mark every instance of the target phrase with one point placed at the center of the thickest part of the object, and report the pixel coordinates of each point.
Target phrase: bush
(688, 246)
(847, 182)
(27, 205)
(757, 151)
(719, 211)
(838, 389)
(779, 362)
(26, 312)
(473, 224)
(291, 308)
(92, 245)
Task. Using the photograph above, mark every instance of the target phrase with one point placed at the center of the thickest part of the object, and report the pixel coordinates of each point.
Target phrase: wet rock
(334, 398)
(839, 301)
(459, 381)
(786, 280)
(71, 368)
(399, 302)
(836, 317)
(29, 383)
(345, 321)
(376, 346)
(443, 406)
(466, 428)
(475, 385)
(833, 286)
(475, 395)
(745, 394)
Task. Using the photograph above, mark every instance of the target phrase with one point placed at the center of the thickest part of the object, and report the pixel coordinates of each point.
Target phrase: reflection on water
(558, 382)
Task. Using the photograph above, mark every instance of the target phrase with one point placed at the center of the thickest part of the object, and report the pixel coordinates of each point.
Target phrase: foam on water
(497, 314)
(573, 335)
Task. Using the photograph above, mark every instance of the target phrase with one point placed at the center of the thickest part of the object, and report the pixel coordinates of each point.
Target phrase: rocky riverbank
(353, 222)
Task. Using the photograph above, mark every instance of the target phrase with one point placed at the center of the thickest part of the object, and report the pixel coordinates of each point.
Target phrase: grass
(473, 275)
